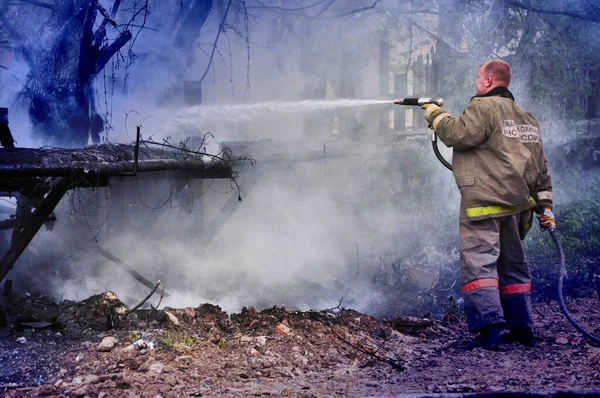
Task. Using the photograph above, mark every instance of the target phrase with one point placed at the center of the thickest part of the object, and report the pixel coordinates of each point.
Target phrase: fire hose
(561, 265)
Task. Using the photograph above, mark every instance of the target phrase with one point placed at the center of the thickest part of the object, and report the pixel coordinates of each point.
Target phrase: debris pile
(91, 349)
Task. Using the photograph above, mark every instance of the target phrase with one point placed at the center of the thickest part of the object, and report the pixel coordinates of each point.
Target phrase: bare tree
(64, 56)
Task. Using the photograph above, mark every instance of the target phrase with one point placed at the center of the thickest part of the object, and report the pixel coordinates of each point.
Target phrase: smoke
(336, 196)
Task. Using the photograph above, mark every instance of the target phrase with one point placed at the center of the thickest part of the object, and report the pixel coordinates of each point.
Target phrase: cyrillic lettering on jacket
(523, 132)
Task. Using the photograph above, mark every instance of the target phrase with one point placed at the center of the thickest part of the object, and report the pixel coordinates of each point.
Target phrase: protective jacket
(498, 156)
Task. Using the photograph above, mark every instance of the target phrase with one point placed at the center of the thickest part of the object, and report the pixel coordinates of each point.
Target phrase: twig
(338, 307)
(395, 364)
(143, 301)
(154, 308)
(567, 13)
(212, 54)
(247, 40)
(358, 10)
(160, 300)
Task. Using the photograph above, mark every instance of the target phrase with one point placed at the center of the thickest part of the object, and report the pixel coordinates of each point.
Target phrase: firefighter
(502, 174)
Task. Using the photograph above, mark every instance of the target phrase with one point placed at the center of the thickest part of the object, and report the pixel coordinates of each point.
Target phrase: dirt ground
(91, 349)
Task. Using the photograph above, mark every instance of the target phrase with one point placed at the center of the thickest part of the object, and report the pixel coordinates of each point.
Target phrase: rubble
(278, 352)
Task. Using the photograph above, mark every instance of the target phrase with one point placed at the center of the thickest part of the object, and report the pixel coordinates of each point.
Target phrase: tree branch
(39, 4)
(115, 8)
(262, 5)
(359, 10)
(106, 52)
(142, 302)
(106, 16)
(212, 54)
(586, 17)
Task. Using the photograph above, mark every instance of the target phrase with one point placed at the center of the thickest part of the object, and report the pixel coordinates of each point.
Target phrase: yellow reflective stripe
(493, 210)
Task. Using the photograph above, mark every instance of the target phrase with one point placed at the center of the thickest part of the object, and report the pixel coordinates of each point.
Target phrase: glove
(547, 220)
(429, 109)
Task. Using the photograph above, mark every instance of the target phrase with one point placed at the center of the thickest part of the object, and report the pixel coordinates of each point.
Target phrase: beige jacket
(498, 158)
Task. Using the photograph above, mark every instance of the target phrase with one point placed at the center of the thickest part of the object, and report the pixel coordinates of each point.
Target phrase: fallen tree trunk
(10, 158)
(26, 170)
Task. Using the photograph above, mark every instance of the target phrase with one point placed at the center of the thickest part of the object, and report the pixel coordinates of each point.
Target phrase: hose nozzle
(419, 101)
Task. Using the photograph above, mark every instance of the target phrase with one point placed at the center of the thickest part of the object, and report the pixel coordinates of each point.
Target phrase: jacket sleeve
(466, 131)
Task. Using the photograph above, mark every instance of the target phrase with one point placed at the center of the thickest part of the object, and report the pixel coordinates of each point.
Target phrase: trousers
(496, 279)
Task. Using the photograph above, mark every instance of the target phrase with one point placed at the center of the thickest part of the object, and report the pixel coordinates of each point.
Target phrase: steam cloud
(307, 233)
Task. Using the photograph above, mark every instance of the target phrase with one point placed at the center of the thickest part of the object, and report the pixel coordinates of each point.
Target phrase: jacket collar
(497, 92)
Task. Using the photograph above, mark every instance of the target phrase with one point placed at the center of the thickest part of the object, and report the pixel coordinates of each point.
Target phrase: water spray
(196, 115)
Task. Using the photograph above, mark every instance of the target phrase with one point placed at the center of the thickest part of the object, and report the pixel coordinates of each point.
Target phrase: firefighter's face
(483, 81)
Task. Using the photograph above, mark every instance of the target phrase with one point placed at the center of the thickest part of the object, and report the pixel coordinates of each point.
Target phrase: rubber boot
(517, 312)
(522, 336)
(489, 338)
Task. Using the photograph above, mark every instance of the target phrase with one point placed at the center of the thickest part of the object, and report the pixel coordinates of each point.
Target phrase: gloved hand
(547, 220)
(429, 109)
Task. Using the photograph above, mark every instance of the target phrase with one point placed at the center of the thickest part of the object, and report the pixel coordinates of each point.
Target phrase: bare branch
(212, 54)
(247, 40)
(106, 16)
(318, 14)
(263, 5)
(115, 8)
(143, 301)
(359, 10)
(106, 52)
(566, 13)
(39, 4)
(138, 26)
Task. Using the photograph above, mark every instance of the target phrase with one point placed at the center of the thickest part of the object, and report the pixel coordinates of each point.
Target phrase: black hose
(561, 267)
(437, 152)
(561, 301)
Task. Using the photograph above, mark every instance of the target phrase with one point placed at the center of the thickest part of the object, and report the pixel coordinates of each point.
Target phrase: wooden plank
(129, 269)
(38, 218)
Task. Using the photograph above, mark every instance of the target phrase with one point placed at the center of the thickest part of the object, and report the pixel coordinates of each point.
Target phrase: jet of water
(243, 112)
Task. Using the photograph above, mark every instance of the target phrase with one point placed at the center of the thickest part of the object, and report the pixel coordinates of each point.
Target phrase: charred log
(27, 170)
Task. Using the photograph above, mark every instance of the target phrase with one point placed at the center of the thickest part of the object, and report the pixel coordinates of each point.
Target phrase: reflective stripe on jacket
(498, 158)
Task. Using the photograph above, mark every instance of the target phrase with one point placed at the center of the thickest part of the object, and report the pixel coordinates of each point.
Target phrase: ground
(86, 349)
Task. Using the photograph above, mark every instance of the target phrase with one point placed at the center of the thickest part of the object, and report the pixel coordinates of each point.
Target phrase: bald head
(492, 74)
(499, 70)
